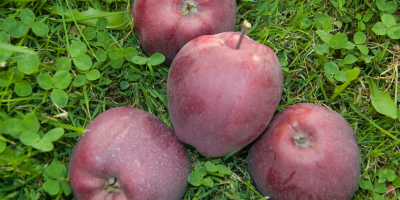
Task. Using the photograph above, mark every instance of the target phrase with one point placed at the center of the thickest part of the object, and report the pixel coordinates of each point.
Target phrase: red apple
(165, 26)
(220, 99)
(128, 153)
(309, 152)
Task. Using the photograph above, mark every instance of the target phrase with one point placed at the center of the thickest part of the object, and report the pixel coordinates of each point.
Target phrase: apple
(222, 93)
(127, 153)
(308, 152)
(165, 26)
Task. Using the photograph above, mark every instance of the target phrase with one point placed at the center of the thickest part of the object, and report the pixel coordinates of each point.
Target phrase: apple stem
(246, 27)
(113, 185)
(301, 141)
(189, 6)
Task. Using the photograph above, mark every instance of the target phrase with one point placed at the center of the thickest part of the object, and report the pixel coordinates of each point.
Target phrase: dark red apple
(308, 152)
(127, 153)
(220, 99)
(165, 26)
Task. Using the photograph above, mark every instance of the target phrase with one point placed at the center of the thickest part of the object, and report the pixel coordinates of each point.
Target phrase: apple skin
(137, 149)
(221, 99)
(328, 168)
(162, 27)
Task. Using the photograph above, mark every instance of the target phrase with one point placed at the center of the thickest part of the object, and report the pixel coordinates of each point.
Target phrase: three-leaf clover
(14, 75)
(42, 143)
(351, 75)
(348, 60)
(359, 39)
(60, 81)
(337, 41)
(17, 29)
(377, 187)
(154, 59)
(91, 75)
(15, 127)
(91, 32)
(83, 62)
(339, 5)
(362, 20)
(332, 71)
(77, 50)
(386, 174)
(323, 21)
(386, 6)
(55, 179)
(388, 27)
(204, 175)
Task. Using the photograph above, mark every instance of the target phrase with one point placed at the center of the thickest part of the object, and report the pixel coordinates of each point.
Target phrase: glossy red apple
(220, 99)
(127, 153)
(308, 152)
(165, 26)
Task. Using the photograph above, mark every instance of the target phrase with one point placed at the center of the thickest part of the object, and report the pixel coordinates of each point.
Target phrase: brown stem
(301, 140)
(189, 6)
(112, 185)
(246, 27)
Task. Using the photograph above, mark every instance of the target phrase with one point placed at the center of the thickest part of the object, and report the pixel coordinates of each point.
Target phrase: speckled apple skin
(329, 169)
(162, 27)
(137, 148)
(221, 99)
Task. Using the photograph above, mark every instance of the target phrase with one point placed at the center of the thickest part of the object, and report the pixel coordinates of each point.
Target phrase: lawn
(62, 63)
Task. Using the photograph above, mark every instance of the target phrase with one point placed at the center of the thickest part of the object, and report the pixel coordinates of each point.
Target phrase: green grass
(314, 41)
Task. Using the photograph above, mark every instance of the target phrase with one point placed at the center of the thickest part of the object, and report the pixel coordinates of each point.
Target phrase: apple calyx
(189, 7)
(112, 185)
(246, 27)
(301, 140)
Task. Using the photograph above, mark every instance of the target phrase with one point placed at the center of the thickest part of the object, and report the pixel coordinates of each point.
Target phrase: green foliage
(55, 179)
(304, 23)
(205, 174)
(77, 48)
(360, 38)
(101, 23)
(62, 64)
(379, 186)
(59, 97)
(18, 29)
(115, 20)
(338, 41)
(41, 143)
(351, 75)
(388, 27)
(382, 101)
(9, 24)
(387, 6)
(28, 63)
(22, 88)
(83, 62)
